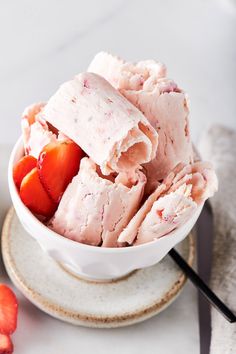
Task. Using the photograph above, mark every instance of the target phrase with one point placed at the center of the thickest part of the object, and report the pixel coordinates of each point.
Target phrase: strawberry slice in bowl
(57, 164)
(34, 196)
(22, 168)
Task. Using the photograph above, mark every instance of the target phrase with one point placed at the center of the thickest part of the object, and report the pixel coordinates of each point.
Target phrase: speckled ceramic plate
(137, 297)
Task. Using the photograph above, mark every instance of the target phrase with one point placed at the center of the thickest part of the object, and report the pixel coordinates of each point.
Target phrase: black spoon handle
(202, 287)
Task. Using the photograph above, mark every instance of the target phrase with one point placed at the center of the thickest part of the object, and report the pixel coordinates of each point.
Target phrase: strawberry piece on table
(22, 168)
(58, 163)
(8, 310)
(34, 196)
(6, 346)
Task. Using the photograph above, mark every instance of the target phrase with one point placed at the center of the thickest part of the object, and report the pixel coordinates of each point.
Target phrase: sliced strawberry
(34, 196)
(58, 163)
(8, 310)
(6, 346)
(22, 168)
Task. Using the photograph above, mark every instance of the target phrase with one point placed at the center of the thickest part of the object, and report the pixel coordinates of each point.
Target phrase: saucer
(128, 300)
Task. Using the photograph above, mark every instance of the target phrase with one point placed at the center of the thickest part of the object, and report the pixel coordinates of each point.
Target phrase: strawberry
(34, 196)
(58, 163)
(22, 168)
(6, 346)
(8, 310)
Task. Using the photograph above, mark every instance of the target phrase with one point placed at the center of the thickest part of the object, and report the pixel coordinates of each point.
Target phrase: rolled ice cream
(113, 132)
(162, 102)
(126, 75)
(172, 203)
(95, 209)
(140, 179)
(35, 131)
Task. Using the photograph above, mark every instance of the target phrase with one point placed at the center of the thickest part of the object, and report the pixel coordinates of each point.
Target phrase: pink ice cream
(126, 75)
(172, 203)
(129, 120)
(114, 133)
(37, 134)
(167, 213)
(160, 100)
(94, 209)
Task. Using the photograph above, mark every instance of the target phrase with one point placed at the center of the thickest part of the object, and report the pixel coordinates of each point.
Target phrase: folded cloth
(113, 132)
(218, 145)
(162, 102)
(172, 203)
(94, 209)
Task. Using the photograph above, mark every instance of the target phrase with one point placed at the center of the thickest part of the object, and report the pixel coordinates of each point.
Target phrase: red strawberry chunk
(8, 310)
(34, 196)
(58, 163)
(22, 168)
(6, 346)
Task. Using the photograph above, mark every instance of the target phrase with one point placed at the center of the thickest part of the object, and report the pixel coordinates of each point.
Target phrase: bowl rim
(13, 190)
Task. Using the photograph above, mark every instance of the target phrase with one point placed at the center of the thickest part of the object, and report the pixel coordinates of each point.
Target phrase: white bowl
(96, 263)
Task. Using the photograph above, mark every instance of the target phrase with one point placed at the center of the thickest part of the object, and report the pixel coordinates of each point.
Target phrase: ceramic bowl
(92, 262)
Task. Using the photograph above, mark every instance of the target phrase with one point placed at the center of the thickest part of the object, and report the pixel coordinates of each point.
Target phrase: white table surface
(45, 43)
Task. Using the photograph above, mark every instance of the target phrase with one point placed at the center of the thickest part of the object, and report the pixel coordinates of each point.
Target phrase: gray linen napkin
(218, 145)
